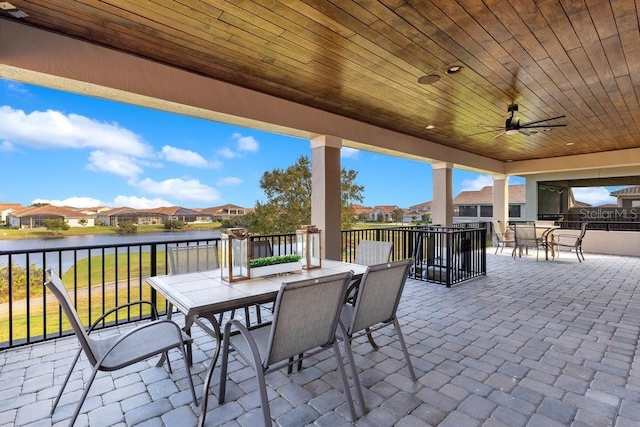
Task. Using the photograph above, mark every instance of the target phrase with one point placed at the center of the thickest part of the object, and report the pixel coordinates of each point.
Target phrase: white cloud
(76, 202)
(229, 180)
(177, 188)
(6, 146)
(593, 195)
(184, 157)
(139, 202)
(245, 143)
(349, 153)
(16, 87)
(228, 153)
(53, 129)
(477, 184)
(118, 164)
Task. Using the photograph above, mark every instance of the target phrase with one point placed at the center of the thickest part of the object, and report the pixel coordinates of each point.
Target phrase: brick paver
(531, 344)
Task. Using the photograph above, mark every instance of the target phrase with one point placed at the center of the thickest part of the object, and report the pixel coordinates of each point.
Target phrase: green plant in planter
(272, 260)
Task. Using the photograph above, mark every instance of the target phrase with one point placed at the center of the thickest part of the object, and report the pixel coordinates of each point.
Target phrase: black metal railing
(100, 277)
(443, 255)
(617, 223)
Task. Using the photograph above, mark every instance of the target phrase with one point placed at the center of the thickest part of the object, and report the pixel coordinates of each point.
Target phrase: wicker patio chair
(118, 351)
(375, 308)
(304, 321)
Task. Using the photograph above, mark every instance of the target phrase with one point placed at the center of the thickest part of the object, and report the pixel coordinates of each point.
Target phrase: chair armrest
(352, 291)
(154, 312)
(246, 334)
(126, 335)
(565, 236)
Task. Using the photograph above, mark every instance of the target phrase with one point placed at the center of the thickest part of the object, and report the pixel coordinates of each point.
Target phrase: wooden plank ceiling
(363, 59)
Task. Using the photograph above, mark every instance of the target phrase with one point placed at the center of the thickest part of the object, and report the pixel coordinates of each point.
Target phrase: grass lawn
(96, 293)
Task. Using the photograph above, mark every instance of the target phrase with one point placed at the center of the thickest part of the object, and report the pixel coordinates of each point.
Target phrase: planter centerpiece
(308, 246)
(234, 265)
(273, 265)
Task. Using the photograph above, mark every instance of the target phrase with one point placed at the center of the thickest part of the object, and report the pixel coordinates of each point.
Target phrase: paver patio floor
(548, 343)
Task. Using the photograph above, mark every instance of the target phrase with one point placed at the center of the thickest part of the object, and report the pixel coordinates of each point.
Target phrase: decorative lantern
(308, 246)
(234, 265)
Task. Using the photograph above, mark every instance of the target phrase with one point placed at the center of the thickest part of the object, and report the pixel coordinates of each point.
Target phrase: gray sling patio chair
(375, 308)
(118, 351)
(572, 242)
(502, 236)
(189, 259)
(304, 321)
(369, 252)
(527, 237)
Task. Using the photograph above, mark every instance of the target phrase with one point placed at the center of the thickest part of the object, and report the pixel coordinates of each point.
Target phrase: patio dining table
(543, 233)
(202, 295)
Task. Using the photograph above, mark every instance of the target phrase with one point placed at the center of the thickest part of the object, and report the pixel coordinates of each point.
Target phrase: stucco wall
(608, 242)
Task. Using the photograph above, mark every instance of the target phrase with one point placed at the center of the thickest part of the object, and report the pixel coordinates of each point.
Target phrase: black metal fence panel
(101, 277)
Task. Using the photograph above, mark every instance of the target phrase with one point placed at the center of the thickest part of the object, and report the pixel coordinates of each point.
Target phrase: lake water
(103, 240)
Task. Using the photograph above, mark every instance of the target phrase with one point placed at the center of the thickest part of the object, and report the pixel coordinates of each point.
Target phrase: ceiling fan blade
(543, 126)
(542, 120)
(524, 132)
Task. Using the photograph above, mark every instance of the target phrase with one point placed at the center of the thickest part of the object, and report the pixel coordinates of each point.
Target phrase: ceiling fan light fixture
(454, 69)
(512, 131)
(430, 79)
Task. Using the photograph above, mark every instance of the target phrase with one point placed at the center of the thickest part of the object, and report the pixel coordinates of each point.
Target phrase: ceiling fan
(513, 126)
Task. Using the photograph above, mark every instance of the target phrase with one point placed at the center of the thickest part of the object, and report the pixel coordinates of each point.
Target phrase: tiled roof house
(34, 216)
(6, 209)
(418, 212)
(227, 211)
(359, 210)
(469, 206)
(627, 197)
(382, 212)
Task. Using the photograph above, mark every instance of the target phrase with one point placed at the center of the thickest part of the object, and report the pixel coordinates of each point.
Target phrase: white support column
(501, 198)
(531, 205)
(326, 193)
(442, 194)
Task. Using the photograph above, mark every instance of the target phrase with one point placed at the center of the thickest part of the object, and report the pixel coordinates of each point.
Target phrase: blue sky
(74, 150)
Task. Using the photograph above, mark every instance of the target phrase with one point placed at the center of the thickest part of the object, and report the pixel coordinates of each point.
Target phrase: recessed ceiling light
(12, 10)
(427, 80)
(454, 69)
(430, 127)
(17, 13)
(570, 143)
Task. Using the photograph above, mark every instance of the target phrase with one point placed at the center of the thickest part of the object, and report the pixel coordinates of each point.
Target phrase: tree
(174, 224)
(397, 215)
(127, 227)
(55, 224)
(288, 203)
(83, 221)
